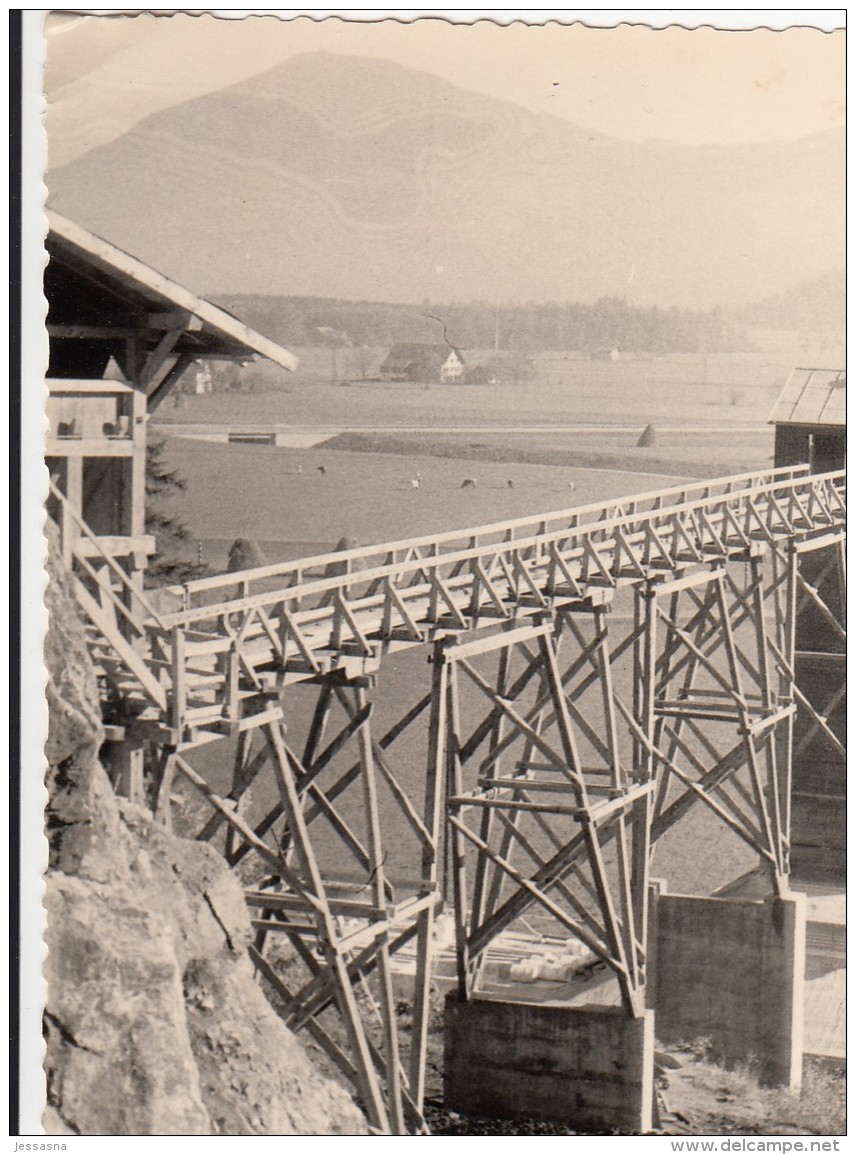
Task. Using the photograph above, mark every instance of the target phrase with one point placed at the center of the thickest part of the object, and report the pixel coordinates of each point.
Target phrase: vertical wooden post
(178, 705)
(457, 846)
(366, 1077)
(378, 885)
(787, 679)
(239, 767)
(483, 862)
(645, 663)
(232, 687)
(74, 496)
(435, 786)
(773, 792)
(162, 786)
(126, 761)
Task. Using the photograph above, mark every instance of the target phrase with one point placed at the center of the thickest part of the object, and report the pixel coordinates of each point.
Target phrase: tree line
(522, 328)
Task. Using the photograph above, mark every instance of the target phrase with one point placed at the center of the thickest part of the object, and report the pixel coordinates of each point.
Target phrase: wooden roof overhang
(109, 303)
(813, 397)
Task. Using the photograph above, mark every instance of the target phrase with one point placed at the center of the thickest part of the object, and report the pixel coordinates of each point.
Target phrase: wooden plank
(435, 786)
(397, 569)
(126, 653)
(313, 886)
(377, 858)
(466, 650)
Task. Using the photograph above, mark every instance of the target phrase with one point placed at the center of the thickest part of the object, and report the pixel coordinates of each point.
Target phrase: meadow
(721, 389)
(565, 438)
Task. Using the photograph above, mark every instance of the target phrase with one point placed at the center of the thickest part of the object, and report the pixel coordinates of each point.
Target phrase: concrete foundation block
(589, 1067)
(733, 971)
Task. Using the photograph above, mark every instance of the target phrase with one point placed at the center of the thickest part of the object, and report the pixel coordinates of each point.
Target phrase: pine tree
(169, 564)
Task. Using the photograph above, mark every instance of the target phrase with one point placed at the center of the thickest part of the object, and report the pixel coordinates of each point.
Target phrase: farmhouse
(414, 362)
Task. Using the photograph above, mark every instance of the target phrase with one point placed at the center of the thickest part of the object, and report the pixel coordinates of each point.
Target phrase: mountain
(814, 306)
(354, 177)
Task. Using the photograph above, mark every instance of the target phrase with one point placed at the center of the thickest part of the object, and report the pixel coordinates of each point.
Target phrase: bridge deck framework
(594, 674)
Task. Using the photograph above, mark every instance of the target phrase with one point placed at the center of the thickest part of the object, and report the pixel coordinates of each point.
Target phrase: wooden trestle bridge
(594, 673)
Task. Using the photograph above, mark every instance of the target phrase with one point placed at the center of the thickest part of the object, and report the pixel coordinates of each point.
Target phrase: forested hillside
(608, 323)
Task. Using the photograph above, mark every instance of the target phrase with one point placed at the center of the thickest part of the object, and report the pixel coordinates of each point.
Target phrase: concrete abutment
(732, 971)
(590, 1067)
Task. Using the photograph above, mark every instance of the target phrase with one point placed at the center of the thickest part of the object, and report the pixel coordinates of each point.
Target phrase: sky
(693, 86)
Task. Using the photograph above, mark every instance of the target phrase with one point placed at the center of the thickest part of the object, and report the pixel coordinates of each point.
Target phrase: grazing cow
(414, 483)
(510, 483)
(299, 469)
(468, 483)
(322, 468)
(572, 485)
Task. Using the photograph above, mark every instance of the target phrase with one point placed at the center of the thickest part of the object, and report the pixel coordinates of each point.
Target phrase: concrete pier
(589, 1067)
(732, 970)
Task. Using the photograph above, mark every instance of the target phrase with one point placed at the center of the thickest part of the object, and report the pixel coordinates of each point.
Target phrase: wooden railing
(239, 635)
(344, 564)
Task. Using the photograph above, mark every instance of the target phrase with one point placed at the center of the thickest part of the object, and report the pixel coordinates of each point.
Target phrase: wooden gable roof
(90, 282)
(812, 397)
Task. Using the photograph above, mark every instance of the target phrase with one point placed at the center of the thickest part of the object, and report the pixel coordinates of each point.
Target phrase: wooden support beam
(313, 887)
(157, 391)
(176, 319)
(723, 652)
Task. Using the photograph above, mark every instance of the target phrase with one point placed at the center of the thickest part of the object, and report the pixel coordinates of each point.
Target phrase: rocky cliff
(153, 1022)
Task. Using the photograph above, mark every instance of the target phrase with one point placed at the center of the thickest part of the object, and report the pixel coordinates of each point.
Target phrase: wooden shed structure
(810, 417)
(120, 335)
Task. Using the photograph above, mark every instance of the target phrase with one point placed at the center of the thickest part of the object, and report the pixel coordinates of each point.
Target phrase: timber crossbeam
(408, 593)
(592, 675)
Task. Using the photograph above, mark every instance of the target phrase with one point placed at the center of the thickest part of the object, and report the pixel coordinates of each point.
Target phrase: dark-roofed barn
(426, 363)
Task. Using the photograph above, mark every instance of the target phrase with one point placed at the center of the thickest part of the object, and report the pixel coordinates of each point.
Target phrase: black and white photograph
(443, 514)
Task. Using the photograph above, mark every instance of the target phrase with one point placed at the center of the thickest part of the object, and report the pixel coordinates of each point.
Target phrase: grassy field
(730, 389)
(257, 492)
(678, 453)
(709, 417)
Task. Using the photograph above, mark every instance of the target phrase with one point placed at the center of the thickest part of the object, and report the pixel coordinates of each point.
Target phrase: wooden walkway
(563, 737)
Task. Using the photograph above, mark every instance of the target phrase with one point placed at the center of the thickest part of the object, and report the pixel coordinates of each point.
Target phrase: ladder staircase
(116, 614)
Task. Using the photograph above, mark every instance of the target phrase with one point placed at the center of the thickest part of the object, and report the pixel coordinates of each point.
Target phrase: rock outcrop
(153, 1021)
